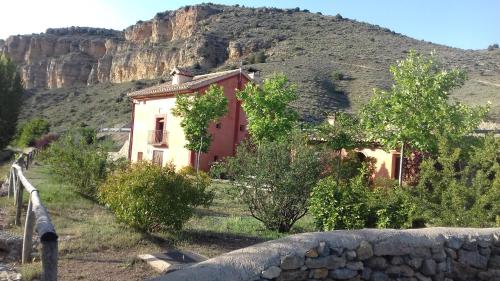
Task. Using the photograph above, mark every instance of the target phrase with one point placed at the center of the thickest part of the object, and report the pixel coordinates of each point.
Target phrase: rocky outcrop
(459, 254)
(78, 55)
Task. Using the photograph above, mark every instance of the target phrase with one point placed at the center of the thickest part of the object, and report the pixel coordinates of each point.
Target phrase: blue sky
(472, 24)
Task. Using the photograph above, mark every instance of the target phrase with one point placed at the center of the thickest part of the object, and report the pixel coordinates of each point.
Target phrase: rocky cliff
(70, 56)
(335, 62)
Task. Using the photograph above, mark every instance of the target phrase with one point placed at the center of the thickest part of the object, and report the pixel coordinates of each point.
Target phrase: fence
(37, 217)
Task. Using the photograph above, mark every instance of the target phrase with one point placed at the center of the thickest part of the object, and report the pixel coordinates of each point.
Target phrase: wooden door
(158, 157)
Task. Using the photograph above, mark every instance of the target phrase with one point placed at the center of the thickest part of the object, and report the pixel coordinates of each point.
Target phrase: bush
(337, 76)
(275, 179)
(492, 47)
(395, 207)
(340, 204)
(32, 130)
(461, 185)
(218, 170)
(78, 160)
(351, 204)
(43, 142)
(148, 197)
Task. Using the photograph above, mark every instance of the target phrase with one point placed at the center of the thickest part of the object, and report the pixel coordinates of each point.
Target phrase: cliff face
(146, 50)
(309, 48)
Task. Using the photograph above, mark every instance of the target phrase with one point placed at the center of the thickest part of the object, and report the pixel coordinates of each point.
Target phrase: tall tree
(10, 100)
(197, 112)
(267, 108)
(416, 110)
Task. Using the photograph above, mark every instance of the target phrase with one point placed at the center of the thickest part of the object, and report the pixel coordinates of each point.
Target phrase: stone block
(291, 262)
(377, 263)
(400, 271)
(364, 251)
(271, 273)
(330, 262)
(379, 276)
(454, 243)
(494, 262)
(415, 263)
(429, 267)
(293, 275)
(355, 265)
(319, 273)
(472, 258)
(342, 273)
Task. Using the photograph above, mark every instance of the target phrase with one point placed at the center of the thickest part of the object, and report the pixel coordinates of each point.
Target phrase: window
(242, 128)
(218, 125)
(159, 136)
(158, 157)
(139, 156)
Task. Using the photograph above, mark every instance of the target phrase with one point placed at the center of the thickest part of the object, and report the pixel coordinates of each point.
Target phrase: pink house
(156, 135)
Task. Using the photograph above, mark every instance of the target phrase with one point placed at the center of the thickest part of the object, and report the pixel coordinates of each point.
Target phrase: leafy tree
(31, 131)
(417, 108)
(197, 112)
(267, 108)
(274, 180)
(344, 133)
(10, 99)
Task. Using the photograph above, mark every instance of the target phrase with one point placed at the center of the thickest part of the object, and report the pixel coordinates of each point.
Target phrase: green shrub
(351, 204)
(395, 207)
(337, 76)
(218, 170)
(340, 204)
(147, 196)
(78, 160)
(32, 130)
(275, 179)
(461, 185)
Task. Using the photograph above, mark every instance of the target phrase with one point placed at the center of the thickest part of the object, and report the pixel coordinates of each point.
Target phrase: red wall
(226, 138)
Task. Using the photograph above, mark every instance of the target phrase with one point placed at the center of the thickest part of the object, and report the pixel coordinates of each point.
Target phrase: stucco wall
(144, 122)
(385, 165)
(368, 254)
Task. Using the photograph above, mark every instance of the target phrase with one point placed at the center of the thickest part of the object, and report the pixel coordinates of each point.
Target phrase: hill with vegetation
(83, 74)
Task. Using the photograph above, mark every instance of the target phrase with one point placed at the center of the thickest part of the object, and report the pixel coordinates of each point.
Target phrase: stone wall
(422, 254)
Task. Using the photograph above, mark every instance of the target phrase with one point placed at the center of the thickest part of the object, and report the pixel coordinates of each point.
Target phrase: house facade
(386, 162)
(156, 134)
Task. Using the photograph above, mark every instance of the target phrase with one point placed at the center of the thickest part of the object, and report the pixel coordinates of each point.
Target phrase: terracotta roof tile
(197, 82)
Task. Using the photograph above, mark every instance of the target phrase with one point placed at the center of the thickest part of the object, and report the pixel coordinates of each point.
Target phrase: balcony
(158, 138)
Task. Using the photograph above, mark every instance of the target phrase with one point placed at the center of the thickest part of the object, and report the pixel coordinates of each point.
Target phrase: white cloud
(35, 16)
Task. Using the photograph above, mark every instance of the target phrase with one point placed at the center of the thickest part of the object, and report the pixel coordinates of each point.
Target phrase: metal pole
(401, 159)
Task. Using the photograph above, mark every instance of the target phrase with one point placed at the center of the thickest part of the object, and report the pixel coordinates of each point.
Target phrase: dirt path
(488, 83)
(104, 266)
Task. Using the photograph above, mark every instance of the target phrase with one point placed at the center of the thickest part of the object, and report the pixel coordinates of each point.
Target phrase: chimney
(253, 72)
(180, 76)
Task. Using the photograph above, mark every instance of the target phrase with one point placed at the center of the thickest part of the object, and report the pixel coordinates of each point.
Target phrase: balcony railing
(158, 138)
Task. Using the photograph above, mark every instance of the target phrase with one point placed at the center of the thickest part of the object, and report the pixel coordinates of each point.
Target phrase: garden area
(287, 177)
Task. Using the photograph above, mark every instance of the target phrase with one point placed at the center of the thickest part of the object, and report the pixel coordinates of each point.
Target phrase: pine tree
(10, 99)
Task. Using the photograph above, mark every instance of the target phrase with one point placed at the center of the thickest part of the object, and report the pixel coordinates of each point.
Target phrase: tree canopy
(417, 109)
(267, 108)
(197, 112)
(10, 99)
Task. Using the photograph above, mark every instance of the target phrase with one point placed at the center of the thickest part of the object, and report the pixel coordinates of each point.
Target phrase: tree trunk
(401, 159)
(198, 156)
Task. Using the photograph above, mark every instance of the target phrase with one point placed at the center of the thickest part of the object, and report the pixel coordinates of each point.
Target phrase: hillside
(101, 65)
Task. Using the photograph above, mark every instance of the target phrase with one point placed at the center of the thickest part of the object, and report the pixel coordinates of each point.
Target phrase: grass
(85, 227)
(31, 271)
